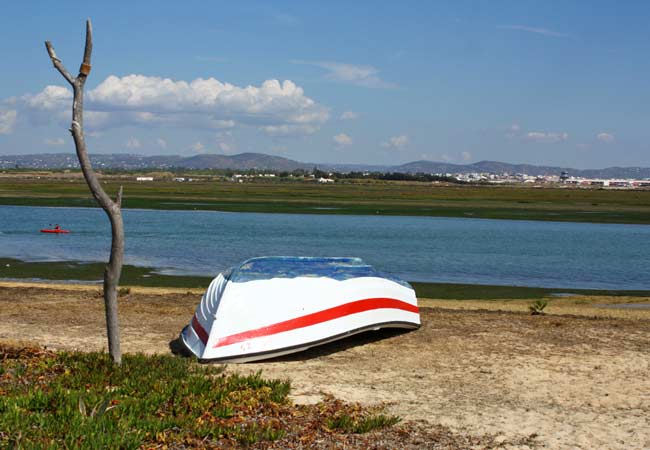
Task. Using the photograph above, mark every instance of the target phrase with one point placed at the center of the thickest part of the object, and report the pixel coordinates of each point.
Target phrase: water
(523, 253)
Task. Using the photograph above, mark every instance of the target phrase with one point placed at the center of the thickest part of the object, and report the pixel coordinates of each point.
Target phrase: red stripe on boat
(199, 330)
(319, 317)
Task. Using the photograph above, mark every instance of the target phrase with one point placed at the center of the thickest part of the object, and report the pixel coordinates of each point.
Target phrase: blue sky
(542, 82)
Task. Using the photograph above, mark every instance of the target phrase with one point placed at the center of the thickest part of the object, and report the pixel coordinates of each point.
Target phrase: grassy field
(376, 198)
(141, 276)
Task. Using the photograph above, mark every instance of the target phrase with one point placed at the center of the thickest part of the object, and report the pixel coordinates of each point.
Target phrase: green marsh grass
(366, 198)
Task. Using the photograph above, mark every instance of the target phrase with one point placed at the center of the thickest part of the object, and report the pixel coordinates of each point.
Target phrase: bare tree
(112, 208)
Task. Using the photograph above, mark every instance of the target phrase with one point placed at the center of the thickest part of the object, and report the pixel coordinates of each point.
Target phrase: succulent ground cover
(81, 400)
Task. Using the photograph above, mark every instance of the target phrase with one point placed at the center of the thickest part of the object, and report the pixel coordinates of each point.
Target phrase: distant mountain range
(262, 161)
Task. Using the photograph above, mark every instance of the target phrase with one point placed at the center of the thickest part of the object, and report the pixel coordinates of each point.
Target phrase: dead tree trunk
(112, 208)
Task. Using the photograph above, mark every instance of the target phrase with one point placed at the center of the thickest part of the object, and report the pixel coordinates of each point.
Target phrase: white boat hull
(240, 321)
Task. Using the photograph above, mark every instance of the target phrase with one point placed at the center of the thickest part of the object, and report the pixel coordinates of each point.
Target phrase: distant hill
(241, 161)
(263, 161)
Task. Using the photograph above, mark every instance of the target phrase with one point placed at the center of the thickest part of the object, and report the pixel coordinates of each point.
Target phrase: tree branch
(84, 70)
(114, 267)
(118, 200)
(58, 64)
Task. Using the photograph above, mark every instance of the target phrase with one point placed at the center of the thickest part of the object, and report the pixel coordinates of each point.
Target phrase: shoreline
(91, 273)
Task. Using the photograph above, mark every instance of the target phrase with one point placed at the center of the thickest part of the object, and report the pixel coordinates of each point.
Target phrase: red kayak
(55, 230)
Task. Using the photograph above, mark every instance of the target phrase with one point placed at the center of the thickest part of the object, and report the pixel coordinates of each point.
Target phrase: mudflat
(577, 377)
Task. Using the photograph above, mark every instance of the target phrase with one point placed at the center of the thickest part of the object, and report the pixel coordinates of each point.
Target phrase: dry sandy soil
(578, 377)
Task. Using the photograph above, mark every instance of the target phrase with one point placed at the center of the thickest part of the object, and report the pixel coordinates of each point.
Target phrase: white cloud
(342, 140)
(54, 142)
(349, 115)
(161, 143)
(513, 130)
(225, 147)
(223, 134)
(396, 141)
(605, 137)
(133, 143)
(544, 137)
(535, 30)
(466, 156)
(199, 104)
(50, 98)
(7, 121)
(547, 138)
(360, 75)
(197, 147)
(288, 130)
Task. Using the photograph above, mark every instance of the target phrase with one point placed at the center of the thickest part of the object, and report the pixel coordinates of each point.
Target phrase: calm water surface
(526, 253)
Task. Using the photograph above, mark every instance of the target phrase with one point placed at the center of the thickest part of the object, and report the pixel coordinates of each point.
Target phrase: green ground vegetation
(365, 197)
(81, 400)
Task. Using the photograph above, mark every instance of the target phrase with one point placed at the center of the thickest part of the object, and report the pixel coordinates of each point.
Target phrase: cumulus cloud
(199, 104)
(197, 147)
(546, 137)
(360, 75)
(55, 142)
(396, 141)
(133, 143)
(535, 30)
(342, 140)
(7, 121)
(225, 147)
(161, 143)
(288, 130)
(349, 115)
(605, 137)
(466, 156)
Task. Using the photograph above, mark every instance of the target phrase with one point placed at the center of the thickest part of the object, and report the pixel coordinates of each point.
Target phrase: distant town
(562, 178)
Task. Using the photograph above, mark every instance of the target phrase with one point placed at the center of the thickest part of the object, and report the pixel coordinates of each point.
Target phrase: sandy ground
(577, 378)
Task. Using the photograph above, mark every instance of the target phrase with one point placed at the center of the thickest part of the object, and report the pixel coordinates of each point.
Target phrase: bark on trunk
(112, 208)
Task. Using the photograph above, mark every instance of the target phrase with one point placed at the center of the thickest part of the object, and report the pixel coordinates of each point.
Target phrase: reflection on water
(527, 253)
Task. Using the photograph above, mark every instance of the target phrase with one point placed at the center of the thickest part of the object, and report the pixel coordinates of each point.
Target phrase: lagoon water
(524, 253)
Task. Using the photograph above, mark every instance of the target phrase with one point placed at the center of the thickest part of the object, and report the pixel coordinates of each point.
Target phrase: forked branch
(112, 208)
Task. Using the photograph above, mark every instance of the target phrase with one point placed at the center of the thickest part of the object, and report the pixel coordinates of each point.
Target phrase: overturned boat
(273, 306)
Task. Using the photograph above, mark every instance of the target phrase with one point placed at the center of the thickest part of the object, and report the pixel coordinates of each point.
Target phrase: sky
(542, 82)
